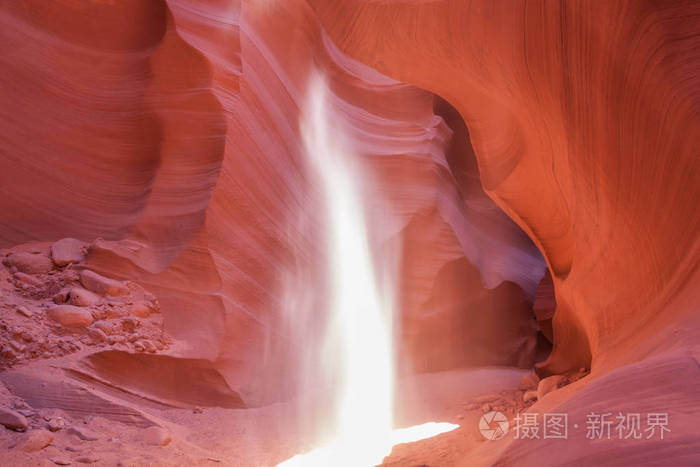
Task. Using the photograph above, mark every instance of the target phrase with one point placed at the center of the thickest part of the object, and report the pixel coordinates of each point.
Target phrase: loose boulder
(67, 251)
(106, 327)
(60, 460)
(530, 396)
(80, 297)
(70, 316)
(27, 279)
(23, 310)
(156, 436)
(56, 424)
(83, 433)
(30, 263)
(97, 335)
(12, 420)
(36, 440)
(102, 285)
(549, 384)
(529, 381)
(140, 309)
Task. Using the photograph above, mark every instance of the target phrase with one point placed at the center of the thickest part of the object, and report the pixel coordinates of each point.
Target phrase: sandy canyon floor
(90, 376)
(104, 427)
(70, 336)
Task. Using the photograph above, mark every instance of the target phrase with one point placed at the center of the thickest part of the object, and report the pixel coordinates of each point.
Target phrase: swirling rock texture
(166, 134)
(193, 175)
(548, 150)
(584, 121)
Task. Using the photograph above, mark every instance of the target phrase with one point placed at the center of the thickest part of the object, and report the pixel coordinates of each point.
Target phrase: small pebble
(60, 461)
(36, 440)
(23, 310)
(56, 424)
(83, 433)
(156, 436)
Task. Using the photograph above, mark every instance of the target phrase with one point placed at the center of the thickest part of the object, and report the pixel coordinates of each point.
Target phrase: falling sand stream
(361, 310)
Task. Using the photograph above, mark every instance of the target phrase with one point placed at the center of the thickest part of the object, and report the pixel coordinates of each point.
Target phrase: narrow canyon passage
(349, 232)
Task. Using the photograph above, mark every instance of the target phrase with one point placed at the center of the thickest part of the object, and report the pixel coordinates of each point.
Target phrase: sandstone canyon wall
(165, 134)
(169, 132)
(584, 121)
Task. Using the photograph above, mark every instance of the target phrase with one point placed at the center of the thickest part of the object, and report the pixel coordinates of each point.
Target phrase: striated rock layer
(174, 137)
(588, 144)
(168, 131)
(584, 121)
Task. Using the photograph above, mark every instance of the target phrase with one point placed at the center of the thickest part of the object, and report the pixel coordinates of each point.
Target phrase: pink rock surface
(102, 285)
(67, 251)
(35, 440)
(169, 132)
(29, 263)
(561, 141)
(197, 124)
(560, 100)
(70, 316)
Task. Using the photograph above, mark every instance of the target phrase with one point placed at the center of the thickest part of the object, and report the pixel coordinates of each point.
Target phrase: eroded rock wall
(584, 122)
(175, 138)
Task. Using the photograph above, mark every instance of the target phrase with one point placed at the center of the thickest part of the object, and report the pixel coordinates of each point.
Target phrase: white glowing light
(361, 309)
(419, 432)
(342, 454)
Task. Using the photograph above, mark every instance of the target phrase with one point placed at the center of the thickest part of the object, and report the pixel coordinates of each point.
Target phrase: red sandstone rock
(200, 214)
(12, 420)
(27, 279)
(582, 118)
(60, 460)
(35, 440)
(133, 462)
(80, 297)
(70, 316)
(156, 436)
(545, 305)
(529, 381)
(574, 170)
(107, 327)
(29, 263)
(24, 311)
(140, 310)
(549, 384)
(56, 424)
(464, 324)
(102, 285)
(98, 335)
(83, 433)
(67, 251)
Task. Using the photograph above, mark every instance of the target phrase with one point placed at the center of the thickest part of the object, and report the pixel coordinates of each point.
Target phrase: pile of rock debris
(52, 305)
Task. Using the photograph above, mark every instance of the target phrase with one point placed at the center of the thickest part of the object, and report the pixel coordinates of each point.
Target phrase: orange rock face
(558, 134)
(583, 119)
(175, 138)
(587, 142)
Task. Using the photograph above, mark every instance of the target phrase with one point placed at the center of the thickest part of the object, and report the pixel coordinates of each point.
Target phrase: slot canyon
(349, 233)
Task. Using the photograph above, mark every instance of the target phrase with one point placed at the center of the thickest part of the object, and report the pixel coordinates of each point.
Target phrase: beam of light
(334, 454)
(419, 432)
(360, 307)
